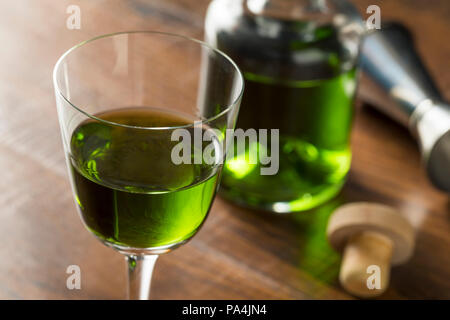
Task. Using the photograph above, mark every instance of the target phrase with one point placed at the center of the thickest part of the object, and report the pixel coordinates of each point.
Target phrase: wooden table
(239, 254)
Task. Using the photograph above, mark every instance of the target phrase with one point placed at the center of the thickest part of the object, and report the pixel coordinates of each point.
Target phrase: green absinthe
(129, 192)
(300, 79)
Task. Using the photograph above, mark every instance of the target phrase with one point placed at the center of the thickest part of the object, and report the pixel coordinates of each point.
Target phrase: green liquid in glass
(128, 190)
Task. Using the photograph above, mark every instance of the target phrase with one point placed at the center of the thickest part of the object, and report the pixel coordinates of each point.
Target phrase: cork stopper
(372, 238)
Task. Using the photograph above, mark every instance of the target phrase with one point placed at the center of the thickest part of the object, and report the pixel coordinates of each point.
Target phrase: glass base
(304, 202)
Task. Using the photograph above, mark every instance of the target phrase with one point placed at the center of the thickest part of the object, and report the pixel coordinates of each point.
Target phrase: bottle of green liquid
(299, 60)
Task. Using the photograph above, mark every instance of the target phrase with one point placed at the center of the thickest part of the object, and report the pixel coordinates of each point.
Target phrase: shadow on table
(302, 235)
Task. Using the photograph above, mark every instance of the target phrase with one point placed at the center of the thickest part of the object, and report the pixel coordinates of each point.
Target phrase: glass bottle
(299, 60)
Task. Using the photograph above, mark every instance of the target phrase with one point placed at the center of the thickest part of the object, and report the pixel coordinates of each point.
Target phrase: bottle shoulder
(276, 47)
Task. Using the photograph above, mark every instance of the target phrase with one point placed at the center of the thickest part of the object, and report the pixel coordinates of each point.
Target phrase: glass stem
(140, 270)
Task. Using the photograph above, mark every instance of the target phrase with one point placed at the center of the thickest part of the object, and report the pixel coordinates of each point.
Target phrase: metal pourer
(396, 82)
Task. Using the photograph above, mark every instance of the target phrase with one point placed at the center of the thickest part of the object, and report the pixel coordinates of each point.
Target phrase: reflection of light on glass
(121, 49)
(309, 56)
(66, 80)
(281, 207)
(308, 201)
(256, 6)
(349, 85)
(227, 10)
(338, 162)
(310, 152)
(266, 28)
(79, 202)
(240, 166)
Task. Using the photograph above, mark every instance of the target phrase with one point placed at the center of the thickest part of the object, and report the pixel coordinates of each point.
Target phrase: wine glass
(122, 99)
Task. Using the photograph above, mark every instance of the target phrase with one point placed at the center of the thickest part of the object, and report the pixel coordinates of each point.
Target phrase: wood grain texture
(239, 253)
